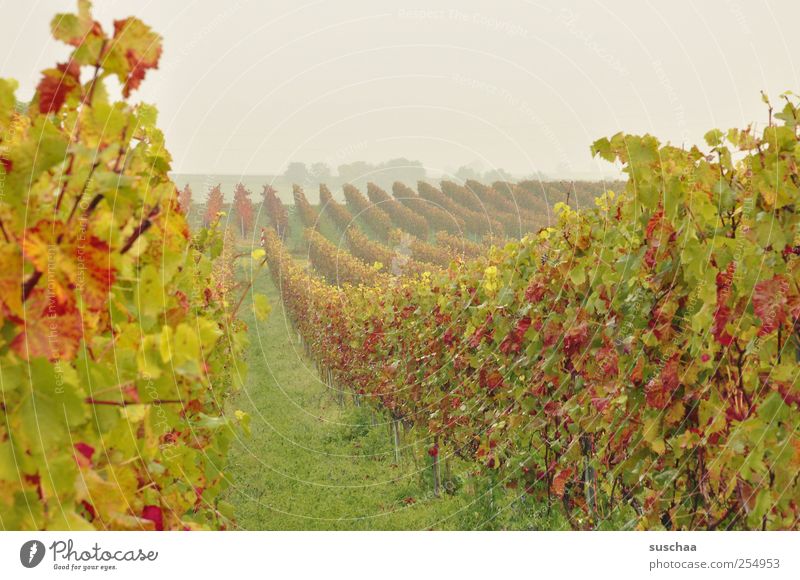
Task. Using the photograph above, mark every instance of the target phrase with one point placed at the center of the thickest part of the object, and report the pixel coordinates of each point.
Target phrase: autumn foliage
(639, 358)
(276, 212)
(438, 218)
(112, 375)
(460, 202)
(372, 214)
(215, 203)
(243, 209)
(458, 245)
(185, 199)
(334, 264)
(308, 215)
(404, 218)
(335, 211)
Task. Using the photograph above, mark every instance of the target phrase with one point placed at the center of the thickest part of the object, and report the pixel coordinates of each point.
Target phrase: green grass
(311, 464)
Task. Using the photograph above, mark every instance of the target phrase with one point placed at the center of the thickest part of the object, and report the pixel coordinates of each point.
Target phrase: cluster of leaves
(338, 266)
(243, 209)
(517, 221)
(398, 261)
(421, 250)
(540, 196)
(490, 240)
(486, 194)
(312, 303)
(402, 217)
(376, 219)
(459, 246)
(641, 356)
(224, 267)
(185, 199)
(308, 215)
(276, 212)
(476, 222)
(368, 251)
(480, 217)
(527, 195)
(438, 219)
(113, 375)
(215, 204)
(338, 213)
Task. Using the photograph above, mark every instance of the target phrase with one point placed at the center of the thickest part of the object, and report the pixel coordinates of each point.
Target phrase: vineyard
(507, 355)
(636, 358)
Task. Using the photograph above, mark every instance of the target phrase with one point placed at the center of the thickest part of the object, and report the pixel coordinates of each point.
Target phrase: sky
(247, 86)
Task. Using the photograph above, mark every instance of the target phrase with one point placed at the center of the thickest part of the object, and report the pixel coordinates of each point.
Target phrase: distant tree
(356, 172)
(185, 199)
(243, 207)
(498, 174)
(360, 173)
(465, 173)
(215, 201)
(296, 172)
(320, 172)
(401, 169)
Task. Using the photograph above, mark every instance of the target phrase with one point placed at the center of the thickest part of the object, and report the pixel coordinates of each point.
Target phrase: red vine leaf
(769, 303)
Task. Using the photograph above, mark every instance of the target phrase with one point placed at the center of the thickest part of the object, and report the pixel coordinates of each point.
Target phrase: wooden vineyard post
(328, 380)
(396, 440)
(436, 474)
(338, 393)
(589, 475)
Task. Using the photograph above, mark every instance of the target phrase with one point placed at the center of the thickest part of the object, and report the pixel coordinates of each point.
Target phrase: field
(312, 463)
(433, 354)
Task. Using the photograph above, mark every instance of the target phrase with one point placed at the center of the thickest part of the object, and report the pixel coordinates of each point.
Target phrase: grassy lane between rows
(311, 464)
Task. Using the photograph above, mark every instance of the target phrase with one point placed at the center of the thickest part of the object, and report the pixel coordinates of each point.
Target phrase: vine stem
(140, 229)
(246, 289)
(696, 224)
(92, 401)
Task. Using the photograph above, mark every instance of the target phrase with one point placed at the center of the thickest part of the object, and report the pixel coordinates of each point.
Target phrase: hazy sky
(247, 86)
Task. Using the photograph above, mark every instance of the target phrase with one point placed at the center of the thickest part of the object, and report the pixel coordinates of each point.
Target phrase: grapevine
(114, 378)
(476, 222)
(338, 213)
(402, 217)
(215, 203)
(185, 199)
(243, 209)
(376, 219)
(640, 355)
(276, 212)
(438, 219)
(308, 215)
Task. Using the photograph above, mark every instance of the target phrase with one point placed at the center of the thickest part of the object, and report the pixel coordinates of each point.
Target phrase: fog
(247, 87)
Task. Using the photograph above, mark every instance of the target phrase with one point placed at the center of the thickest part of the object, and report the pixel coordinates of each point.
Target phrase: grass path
(310, 464)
